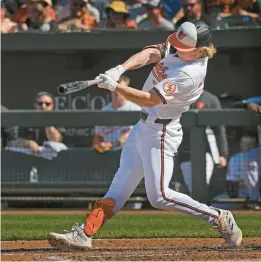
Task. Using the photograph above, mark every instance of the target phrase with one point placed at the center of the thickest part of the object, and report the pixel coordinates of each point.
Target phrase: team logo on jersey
(181, 35)
(159, 72)
(169, 87)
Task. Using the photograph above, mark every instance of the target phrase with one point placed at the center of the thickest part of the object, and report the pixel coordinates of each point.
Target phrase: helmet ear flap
(204, 32)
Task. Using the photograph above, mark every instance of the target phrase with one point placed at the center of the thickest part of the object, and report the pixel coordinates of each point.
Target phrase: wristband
(113, 86)
(120, 69)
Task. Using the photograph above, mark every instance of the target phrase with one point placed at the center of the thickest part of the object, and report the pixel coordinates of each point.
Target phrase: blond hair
(206, 51)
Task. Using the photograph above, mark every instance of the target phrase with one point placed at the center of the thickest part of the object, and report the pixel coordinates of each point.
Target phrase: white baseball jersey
(112, 133)
(178, 83)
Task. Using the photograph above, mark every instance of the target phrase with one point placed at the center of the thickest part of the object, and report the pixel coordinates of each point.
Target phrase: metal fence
(81, 172)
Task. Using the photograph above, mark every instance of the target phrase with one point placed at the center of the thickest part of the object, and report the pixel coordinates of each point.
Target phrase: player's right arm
(149, 55)
(145, 57)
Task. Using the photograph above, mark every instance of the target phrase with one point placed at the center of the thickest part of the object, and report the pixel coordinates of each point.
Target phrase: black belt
(144, 117)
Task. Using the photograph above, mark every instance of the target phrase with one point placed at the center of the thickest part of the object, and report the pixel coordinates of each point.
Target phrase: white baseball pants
(149, 153)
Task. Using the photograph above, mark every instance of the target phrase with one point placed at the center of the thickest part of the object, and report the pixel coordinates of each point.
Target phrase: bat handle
(95, 82)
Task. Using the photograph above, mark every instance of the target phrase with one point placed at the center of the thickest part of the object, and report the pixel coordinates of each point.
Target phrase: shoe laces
(225, 226)
(73, 228)
(75, 231)
(220, 225)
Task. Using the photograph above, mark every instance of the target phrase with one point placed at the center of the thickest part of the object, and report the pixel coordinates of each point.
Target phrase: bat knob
(62, 89)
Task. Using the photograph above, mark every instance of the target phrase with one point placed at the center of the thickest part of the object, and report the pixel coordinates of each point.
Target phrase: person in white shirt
(171, 87)
(114, 137)
(153, 19)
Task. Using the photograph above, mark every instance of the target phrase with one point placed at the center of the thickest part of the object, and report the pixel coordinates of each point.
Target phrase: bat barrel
(76, 86)
(70, 87)
(62, 89)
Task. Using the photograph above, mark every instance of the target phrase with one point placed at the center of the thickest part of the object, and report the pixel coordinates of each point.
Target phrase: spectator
(252, 104)
(137, 10)
(171, 8)
(252, 9)
(12, 6)
(107, 138)
(118, 14)
(244, 168)
(244, 171)
(79, 18)
(243, 8)
(192, 10)
(215, 138)
(8, 135)
(154, 18)
(44, 142)
(39, 17)
(63, 10)
(93, 11)
(101, 5)
(44, 102)
(22, 14)
(7, 26)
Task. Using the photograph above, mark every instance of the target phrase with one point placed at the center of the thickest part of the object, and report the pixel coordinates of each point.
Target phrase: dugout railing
(79, 173)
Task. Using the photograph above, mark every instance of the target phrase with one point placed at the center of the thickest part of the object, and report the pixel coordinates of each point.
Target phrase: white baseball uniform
(150, 148)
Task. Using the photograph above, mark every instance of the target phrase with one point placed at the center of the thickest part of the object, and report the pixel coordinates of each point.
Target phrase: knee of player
(156, 200)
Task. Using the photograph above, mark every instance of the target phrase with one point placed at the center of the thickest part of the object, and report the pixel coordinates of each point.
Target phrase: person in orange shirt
(39, 17)
(79, 19)
(23, 13)
(118, 15)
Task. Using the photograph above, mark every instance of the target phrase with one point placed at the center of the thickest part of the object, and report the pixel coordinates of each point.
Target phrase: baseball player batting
(172, 86)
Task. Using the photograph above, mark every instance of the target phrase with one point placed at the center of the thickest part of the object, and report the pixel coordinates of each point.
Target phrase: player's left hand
(108, 82)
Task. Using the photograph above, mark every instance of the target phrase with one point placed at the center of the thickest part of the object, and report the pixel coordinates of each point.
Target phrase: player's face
(44, 103)
(187, 56)
(192, 7)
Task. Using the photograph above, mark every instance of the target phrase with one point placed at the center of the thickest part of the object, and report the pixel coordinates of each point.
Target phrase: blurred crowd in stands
(88, 15)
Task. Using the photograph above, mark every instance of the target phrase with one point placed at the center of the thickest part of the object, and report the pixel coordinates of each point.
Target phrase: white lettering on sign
(81, 102)
(72, 132)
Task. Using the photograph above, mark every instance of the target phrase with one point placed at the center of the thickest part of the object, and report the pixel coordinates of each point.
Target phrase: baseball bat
(76, 86)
